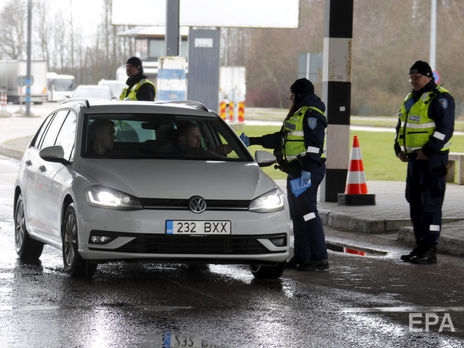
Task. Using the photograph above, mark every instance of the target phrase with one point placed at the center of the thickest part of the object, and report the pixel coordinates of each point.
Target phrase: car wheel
(26, 247)
(74, 264)
(267, 271)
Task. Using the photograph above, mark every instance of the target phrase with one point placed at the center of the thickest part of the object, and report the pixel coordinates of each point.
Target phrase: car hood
(179, 179)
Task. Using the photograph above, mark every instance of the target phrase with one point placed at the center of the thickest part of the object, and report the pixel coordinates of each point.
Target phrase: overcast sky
(86, 13)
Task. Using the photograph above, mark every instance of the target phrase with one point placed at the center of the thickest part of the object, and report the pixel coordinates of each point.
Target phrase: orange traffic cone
(356, 187)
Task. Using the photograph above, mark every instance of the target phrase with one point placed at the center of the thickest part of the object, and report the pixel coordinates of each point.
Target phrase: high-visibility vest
(416, 125)
(293, 143)
(133, 91)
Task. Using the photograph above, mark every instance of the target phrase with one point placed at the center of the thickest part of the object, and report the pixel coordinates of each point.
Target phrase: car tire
(267, 271)
(28, 249)
(74, 264)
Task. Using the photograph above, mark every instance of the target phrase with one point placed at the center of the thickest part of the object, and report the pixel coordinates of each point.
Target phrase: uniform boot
(414, 253)
(291, 264)
(428, 257)
(317, 265)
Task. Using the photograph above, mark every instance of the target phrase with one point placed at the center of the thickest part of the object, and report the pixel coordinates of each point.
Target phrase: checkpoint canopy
(210, 13)
(204, 17)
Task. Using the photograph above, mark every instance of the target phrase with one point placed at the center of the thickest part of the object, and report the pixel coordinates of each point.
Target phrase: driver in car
(189, 142)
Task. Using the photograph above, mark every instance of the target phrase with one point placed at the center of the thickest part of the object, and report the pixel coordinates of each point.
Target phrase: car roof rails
(79, 100)
(189, 103)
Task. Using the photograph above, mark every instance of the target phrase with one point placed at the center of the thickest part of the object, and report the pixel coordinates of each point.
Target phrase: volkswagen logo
(197, 204)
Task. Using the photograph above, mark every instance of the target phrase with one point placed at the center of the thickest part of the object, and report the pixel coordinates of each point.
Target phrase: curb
(447, 243)
(349, 223)
(10, 152)
(15, 148)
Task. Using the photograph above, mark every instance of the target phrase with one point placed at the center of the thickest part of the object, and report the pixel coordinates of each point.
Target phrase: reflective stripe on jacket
(293, 143)
(133, 91)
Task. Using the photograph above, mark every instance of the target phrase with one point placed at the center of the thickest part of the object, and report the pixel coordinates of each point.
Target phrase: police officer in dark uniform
(423, 137)
(299, 147)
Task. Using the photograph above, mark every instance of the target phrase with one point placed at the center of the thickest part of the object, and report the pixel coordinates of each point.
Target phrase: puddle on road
(354, 250)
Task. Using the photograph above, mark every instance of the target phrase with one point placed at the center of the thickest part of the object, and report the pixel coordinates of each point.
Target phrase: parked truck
(13, 80)
(60, 86)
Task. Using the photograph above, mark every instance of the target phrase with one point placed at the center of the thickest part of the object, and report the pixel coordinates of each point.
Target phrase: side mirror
(53, 154)
(264, 158)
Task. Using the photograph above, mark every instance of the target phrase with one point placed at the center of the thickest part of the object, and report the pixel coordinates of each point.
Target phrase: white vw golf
(165, 182)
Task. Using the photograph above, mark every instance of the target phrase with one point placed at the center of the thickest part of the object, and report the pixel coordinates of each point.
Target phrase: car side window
(37, 140)
(66, 136)
(54, 128)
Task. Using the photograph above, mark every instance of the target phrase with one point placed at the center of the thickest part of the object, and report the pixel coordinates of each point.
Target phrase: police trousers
(425, 193)
(309, 238)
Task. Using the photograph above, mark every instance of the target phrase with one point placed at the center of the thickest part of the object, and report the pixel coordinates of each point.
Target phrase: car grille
(217, 245)
(183, 204)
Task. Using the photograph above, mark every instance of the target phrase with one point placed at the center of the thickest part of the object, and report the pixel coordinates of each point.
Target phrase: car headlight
(104, 197)
(269, 202)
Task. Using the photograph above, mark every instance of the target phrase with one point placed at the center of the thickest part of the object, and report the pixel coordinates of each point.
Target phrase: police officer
(138, 86)
(298, 147)
(423, 134)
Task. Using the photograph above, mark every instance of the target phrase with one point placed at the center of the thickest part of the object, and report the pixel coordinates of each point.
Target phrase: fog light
(279, 241)
(100, 239)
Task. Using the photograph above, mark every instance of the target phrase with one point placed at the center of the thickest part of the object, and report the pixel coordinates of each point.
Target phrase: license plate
(198, 227)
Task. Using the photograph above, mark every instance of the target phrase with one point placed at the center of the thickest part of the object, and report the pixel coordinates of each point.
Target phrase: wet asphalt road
(372, 300)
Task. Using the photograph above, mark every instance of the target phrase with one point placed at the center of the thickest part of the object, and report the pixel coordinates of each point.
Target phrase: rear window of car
(161, 136)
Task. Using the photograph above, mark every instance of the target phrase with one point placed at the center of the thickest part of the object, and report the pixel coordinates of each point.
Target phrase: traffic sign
(23, 81)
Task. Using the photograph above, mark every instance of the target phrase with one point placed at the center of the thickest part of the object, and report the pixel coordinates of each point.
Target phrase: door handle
(42, 168)
(28, 163)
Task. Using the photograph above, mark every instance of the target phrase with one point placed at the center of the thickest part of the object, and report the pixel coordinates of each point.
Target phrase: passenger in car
(101, 135)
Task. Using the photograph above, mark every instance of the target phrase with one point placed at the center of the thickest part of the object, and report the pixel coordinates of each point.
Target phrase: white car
(115, 86)
(92, 92)
(140, 194)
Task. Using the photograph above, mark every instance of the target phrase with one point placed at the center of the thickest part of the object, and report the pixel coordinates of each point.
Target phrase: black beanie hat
(135, 62)
(302, 87)
(421, 67)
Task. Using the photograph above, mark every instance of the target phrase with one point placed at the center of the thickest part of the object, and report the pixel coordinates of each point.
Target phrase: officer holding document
(299, 147)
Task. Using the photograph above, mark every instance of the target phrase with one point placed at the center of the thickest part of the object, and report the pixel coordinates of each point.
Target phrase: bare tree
(13, 30)
(42, 29)
(60, 43)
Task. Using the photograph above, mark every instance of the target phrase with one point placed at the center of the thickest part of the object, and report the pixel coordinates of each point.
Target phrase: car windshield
(161, 136)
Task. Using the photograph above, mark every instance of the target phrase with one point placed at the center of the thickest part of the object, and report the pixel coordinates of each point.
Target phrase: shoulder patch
(312, 122)
(443, 103)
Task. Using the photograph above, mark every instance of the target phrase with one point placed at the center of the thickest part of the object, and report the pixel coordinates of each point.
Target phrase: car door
(59, 176)
(42, 197)
(31, 189)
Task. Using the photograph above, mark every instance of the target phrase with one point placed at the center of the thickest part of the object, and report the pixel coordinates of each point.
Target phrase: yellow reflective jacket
(416, 125)
(293, 143)
(133, 91)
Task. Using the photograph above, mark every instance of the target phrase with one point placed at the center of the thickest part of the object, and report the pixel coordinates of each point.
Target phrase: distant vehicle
(92, 92)
(115, 86)
(13, 80)
(60, 87)
(164, 182)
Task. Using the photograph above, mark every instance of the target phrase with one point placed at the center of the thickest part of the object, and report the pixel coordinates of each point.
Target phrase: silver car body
(163, 186)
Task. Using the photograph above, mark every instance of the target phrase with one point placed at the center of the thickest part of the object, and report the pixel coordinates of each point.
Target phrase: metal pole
(433, 33)
(28, 73)
(172, 27)
(308, 66)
